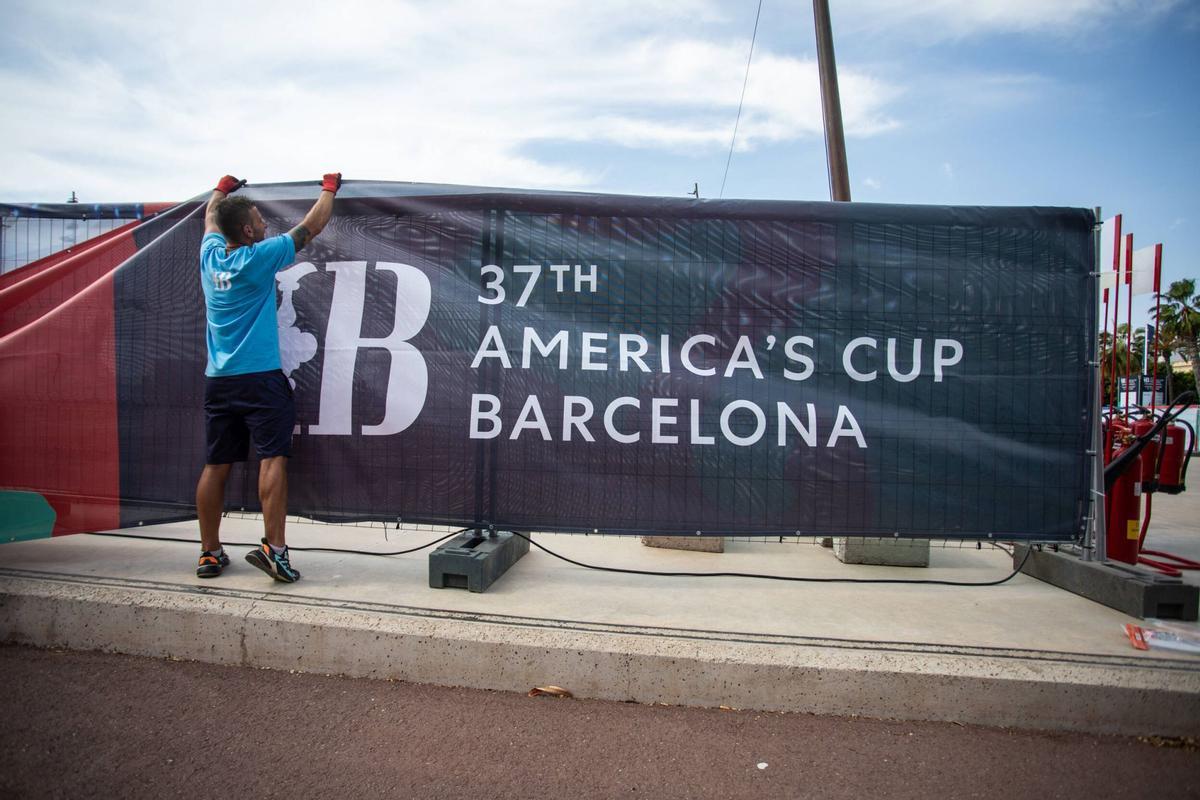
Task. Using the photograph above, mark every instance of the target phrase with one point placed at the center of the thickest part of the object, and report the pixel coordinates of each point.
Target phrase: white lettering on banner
(574, 421)
(492, 346)
(760, 423)
(743, 358)
(685, 355)
(559, 270)
(611, 411)
(940, 359)
(588, 277)
(635, 356)
(697, 437)
(846, 425)
(894, 371)
(590, 349)
(491, 416)
(408, 377)
(808, 432)
(493, 277)
(531, 417)
(848, 354)
(532, 340)
(534, 271)
(806, 362)
(705, 355)
(578, 411)
(658, 419)
(940, 362)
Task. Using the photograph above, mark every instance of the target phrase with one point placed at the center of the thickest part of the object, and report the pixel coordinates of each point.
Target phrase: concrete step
(1023, 654)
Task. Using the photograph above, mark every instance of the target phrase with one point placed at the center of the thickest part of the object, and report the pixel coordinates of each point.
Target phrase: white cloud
(149, 101)
(948, 169)
(937, 20)
(871, 183)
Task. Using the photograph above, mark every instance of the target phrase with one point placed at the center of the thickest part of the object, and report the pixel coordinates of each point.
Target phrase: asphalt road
(101, 725)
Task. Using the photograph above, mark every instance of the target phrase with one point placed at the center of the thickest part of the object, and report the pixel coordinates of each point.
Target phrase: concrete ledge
(290, 630)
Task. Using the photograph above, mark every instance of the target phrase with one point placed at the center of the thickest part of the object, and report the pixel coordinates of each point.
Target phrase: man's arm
(226, 186)
(318, 216)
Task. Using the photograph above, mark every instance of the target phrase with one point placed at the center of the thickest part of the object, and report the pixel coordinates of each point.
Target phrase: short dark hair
(232, 214)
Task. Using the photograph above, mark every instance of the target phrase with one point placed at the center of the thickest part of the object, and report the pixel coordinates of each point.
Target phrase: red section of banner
(28, 300)
(58, 410)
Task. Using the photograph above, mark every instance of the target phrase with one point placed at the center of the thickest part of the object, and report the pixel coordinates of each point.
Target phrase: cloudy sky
(996, 102)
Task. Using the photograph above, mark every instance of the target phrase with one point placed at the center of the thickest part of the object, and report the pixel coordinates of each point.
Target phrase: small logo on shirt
(222, 281)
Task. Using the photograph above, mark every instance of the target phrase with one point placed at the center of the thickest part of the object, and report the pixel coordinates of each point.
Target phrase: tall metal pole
(1095, 545)
(831, 105)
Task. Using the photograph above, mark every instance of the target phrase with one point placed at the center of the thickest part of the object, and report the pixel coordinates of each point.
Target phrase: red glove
(229, 184)
(331, 182)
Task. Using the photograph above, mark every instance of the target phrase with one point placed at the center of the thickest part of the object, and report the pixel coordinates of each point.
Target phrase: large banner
(625, 365)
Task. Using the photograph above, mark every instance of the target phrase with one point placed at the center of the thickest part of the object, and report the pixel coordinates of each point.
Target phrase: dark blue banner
(629, 365)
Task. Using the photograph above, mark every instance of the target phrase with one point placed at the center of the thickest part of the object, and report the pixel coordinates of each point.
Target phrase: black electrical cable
(923, 582)
(297, 549)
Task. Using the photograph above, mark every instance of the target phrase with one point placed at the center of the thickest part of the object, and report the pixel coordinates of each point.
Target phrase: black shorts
(238, 408)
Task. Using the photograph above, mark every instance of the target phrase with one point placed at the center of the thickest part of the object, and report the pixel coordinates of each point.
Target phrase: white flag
(1109, 232)
(1108, 282)
(1143, 271)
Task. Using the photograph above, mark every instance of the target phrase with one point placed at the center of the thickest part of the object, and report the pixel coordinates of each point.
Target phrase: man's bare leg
(272, 493)
(210, 502)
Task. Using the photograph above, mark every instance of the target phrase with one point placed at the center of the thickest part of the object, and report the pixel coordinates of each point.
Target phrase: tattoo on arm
(210, 213)
(300, 236)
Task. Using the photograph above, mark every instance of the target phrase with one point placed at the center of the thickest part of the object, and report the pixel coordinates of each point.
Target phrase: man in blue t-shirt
(246, 395)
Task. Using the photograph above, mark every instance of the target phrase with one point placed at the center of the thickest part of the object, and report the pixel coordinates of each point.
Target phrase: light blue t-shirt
(239, 298)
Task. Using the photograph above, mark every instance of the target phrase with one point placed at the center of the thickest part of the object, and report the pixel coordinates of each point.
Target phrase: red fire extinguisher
(1149, 455)
(1175, 455)
(1115, 431)
(1123, 506)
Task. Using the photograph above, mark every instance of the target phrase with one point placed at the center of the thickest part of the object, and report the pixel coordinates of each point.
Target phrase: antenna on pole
(831, 105)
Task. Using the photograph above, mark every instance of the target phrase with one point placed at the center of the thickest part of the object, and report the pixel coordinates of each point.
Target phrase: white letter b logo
(408, 379)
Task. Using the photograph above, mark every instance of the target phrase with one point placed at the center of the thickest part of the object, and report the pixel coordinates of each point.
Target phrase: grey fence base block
(883, 552)
(701, 544)
(1133, 590)
(474, 560)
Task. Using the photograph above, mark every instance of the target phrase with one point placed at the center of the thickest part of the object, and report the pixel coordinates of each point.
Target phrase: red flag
(1110, 242)
(1158, 269)
(1128, 258)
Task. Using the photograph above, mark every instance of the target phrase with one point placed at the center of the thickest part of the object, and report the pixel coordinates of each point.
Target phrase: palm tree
(1126, 361)
(1179, 320)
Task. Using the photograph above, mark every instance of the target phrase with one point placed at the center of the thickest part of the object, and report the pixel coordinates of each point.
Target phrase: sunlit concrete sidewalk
(1022, 654)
